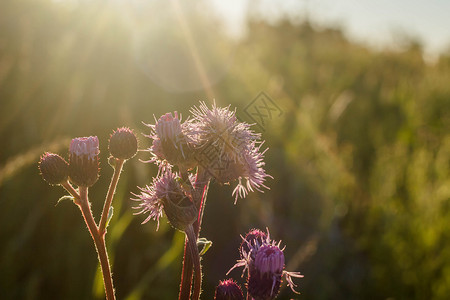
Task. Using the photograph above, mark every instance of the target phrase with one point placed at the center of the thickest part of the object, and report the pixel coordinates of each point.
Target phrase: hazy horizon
(378, 25)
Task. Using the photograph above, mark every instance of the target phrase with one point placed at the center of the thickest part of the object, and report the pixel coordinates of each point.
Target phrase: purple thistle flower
(236, 149)
(151, 196)
(83, 161)
(166, 193)
(228, 290)
(264, 261)
(250, 245)
(264, 276)
(172, 141)
(270, 259)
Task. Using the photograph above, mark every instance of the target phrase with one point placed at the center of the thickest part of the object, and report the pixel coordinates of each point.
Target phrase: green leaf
(66, 197)
(110, 214)
(206, 245)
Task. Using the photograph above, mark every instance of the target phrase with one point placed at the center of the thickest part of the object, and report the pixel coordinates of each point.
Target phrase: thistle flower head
(172, 140)
(229, 149)
(264, 260)
(228, 290)
(123, 143)
(54, 169)
(166, 194)
(83, 161)
(220, 127)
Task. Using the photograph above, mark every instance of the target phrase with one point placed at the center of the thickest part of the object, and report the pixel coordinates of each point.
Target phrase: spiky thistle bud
(54, 169)
(83, 161)
(123, 143)
(166, 194)
(228, 290)
(178, 207)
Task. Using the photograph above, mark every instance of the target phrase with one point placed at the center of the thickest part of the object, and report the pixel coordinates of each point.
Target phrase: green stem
(99, 242)
(112, 189)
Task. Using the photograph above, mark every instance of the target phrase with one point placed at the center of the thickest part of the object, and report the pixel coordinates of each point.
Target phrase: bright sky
(372, 21)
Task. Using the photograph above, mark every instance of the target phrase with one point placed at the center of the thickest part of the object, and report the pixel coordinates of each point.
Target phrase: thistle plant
(212, 145)
(83, 172)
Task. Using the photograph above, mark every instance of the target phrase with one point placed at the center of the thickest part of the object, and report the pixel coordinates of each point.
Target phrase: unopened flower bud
(180, 210)
(54, 169)
(83, 161)
(228, 290)
(123, 143)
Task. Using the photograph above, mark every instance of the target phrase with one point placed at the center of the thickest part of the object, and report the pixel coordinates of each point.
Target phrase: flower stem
(112, 189)
(186, 275)
(99, 242)
(72, 191)
(200, 193)
(192, 243)
(203, 193)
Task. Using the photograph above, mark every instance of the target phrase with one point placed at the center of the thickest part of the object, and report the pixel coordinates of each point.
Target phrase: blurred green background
(360, 154)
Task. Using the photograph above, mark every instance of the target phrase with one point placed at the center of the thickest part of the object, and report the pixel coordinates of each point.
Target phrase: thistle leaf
(110, 214)
(206, 245)
(66, 197)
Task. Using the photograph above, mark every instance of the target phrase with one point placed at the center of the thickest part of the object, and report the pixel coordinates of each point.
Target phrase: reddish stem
(72, 191)
(186, 276)
(99, 242)
(112, 189)
(200, 192)
(192, 243)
